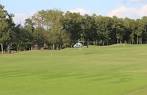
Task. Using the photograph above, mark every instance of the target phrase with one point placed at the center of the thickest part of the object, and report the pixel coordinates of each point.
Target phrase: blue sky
(34, 5)
(122, 8)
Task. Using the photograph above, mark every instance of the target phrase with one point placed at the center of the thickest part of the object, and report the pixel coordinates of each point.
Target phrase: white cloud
(80, 10)
(19, 18)
(131, 12)
(138, 1)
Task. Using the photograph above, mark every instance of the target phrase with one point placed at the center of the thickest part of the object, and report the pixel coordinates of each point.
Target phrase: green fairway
(112, 70)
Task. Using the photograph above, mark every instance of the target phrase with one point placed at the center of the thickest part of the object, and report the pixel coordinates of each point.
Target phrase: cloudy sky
(121, 8)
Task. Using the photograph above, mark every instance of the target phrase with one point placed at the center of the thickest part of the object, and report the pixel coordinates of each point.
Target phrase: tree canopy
(54, 29)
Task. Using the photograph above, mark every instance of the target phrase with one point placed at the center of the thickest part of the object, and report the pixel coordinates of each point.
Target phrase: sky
(121, 8)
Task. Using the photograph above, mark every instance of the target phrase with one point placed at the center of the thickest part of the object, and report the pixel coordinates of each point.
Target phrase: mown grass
(112, 70)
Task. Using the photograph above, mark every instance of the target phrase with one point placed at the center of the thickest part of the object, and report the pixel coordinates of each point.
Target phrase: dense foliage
(54, 29)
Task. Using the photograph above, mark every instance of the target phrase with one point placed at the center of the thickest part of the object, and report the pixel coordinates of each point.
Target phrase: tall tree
(5, 26)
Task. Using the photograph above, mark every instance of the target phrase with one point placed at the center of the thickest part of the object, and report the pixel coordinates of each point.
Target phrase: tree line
(55, 30)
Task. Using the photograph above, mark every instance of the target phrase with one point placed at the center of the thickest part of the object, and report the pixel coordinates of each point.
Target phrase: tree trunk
(103, 42)
(2, 48)
(8, 49)
(141, 41)
(53, 46)
(137, 40)
(117, 40)
(132, 41)
(107, 43)
(17, 47)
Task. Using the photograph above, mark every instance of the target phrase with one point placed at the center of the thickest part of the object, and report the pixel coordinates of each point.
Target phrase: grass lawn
(112, 70)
